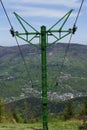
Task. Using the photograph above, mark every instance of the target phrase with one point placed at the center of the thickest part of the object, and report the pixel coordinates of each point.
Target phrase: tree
(17, 116)
(85, 107)
(1, 110)
(26, 112)
(83, 111)
(68, 111)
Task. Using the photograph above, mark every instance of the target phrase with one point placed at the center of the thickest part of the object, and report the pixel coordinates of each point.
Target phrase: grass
(65, 125)
(19, 126)
(60, 125)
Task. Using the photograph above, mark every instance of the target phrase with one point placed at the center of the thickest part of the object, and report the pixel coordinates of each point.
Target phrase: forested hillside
(16, 82)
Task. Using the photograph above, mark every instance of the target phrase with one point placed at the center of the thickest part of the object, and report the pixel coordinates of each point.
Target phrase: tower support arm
(66, 16)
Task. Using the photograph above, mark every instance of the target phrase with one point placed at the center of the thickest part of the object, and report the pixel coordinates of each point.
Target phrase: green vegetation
(1, 110)
(22, 116)
(68, 111)
(58, 125)
(30, 110)
(15, 85)
(15, 81)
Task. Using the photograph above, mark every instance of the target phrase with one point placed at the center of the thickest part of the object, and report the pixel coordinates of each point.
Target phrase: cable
(73, 31)
(66, 52)
(79, 12)
(13, 34)
(23, 59)
(6, 13)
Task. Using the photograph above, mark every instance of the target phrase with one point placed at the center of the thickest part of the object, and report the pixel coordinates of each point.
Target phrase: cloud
(37, 7)
(67, 3)
(41, 12)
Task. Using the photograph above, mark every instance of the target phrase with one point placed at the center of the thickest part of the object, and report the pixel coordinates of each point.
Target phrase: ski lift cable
(66, 51)
(79, 12)
(23, 58)
(12, 32)
(68, 46)
(6, 13)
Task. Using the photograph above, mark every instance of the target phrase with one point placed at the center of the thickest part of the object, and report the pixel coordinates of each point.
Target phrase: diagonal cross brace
(50, 31)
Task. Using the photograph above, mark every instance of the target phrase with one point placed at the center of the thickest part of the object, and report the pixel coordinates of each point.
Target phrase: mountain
(19, 79)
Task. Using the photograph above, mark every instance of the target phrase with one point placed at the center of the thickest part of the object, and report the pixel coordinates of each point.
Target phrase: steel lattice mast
(43, 36)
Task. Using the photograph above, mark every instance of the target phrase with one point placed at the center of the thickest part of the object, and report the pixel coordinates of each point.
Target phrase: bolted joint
(74, 29)
(12, 32)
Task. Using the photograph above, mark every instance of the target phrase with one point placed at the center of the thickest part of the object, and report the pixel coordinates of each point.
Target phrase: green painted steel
(43, 38)
(44, 77)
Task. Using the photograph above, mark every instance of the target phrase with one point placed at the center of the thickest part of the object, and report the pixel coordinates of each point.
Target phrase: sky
(42, 12)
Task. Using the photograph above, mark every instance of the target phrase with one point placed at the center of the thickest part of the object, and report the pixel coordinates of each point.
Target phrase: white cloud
(67, 3)
(40, 12)
(35, 11)
(31, 8)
